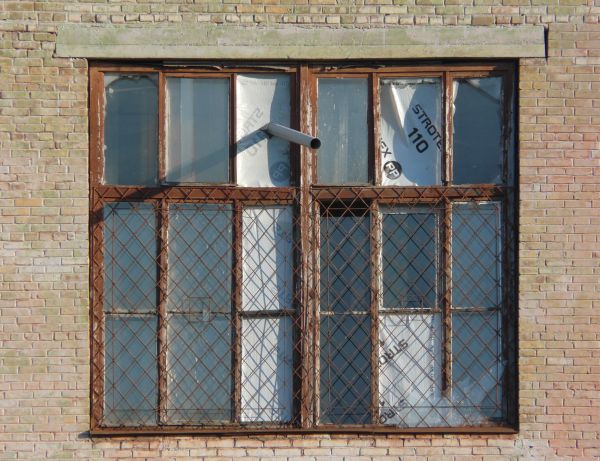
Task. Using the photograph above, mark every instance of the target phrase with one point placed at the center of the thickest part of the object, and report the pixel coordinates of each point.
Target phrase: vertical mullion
(163, 222)
(375, 235)
(162, 120)
(376, 128)
(97, 314)
(237, 310)
(306, 250)
(232, 130)
(447, 242)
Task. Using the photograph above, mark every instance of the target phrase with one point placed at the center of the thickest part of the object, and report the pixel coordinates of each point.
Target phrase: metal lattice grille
(305, 307)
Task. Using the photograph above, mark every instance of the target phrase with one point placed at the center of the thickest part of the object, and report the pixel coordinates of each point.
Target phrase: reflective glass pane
(345, 263)
(267, 258)
(477, 367)
(260, 99)
(130, 253)
(476, 254)
(477, 140)
(410, 369)
(199, 258)
(198, 130)
(345, 389)
(199, 368)
(267, 365)
(343, 130)
(131, 129)
(130, 373)
(411, 131)
(409, 257)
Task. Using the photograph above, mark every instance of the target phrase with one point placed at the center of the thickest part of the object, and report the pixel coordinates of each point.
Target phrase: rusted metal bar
(237, 313)
(163, 224)
(375, 263)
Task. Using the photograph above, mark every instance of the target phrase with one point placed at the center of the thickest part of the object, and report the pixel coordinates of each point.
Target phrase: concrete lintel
(210, 41)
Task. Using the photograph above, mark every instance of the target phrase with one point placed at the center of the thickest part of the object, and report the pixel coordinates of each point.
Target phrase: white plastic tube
(291, 135)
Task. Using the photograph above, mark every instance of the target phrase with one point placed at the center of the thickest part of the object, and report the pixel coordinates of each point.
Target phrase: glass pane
(411, 131)
(410, 258)
(260, 99)
(477, 140)
(130, 252)
(130, 379)
(476, 255)
(199, 368)
(268, 260)
(345, 264)
(410, 369)
(198, 130)
(130, 129)
(343, 130)
(267, 364)
(477, 367)
(345, 369)
(199, 258)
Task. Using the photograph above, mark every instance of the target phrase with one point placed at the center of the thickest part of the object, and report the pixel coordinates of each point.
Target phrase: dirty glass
(343, 130)
(198, 368)
(130, 253)
(410, 257)
(198, 130)
(476, 254)
(267, 366)
(477, 141)
(477, 367)
(131, 129)
(199, 258)
(345, 371)
(411, 131)
(130, 373)
(260, 99)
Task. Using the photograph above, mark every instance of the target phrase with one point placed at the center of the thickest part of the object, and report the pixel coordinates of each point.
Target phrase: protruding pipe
(291, 135)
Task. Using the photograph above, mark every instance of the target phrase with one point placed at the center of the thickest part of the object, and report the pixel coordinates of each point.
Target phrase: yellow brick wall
(44, 353)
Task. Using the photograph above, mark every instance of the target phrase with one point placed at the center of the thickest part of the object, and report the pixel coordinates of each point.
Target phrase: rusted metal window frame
(305, 194)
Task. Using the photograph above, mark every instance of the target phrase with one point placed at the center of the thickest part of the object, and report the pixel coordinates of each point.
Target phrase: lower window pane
(410, 369)
(199, 368)
(477, 367)
(267, 366)
(130, 379)
(345, 369)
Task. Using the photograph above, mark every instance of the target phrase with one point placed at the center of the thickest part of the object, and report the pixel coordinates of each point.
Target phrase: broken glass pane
(477, 366)
(409, 257)
(199, 368)
(411, 131)
(260, 99)
(130, 253)
(267, 364)
(410, 369)
(131, 129)
(199, 258)
(477, 142)
(268, 260)
(130, 373)
(343, 130)
(345, 369)
(345, 264)
(476, 254)
(198, 130)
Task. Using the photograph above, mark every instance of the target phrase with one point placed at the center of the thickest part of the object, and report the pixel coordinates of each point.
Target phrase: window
(243, 283)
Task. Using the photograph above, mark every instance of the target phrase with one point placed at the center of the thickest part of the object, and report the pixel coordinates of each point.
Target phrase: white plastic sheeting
(267, 255)
(410, 367)
(261, 99)
(267, 364)
(411, 131)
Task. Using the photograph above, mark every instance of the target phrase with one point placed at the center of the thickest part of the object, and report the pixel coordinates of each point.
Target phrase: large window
(243, 283)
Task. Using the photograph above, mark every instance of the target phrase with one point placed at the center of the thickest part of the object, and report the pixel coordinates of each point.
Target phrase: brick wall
(44, 355)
